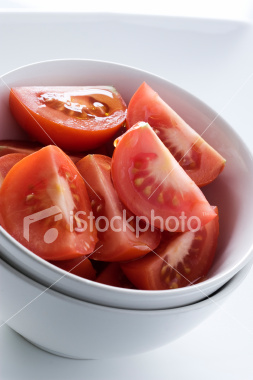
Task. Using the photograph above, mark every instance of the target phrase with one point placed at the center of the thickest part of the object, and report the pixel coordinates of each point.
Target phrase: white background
(213, 60)
(221, 9)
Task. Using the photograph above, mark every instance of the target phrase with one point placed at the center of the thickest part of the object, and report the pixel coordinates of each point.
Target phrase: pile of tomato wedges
(108, 192)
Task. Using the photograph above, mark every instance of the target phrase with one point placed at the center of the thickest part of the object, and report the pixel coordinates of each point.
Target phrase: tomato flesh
(7, 162)
(80, 266)
(201, 162)
(73, 118)
(151, 183)
(41, 215)
(117, 242)
(181, 260)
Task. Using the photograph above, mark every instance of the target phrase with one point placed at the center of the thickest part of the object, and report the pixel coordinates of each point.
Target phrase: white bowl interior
(231, 192)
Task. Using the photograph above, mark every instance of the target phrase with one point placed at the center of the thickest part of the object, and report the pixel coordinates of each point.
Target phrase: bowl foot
(52, 351)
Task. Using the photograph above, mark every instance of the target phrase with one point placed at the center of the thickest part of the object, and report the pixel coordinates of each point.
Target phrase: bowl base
(52, 351)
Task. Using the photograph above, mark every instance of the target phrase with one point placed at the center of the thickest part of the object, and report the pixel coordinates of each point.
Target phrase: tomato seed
(76, 197)
(138, 181)
(29, 197)
(160, 198)
(99, 208)
(175, 201)
(174, 285)
(163, 270)
(147, 190)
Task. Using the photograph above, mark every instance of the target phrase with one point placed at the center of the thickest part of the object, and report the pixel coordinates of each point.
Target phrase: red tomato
(151, 183)
(201, 162)
(15, 146)
(25, 147)
(7, 162)
(39, 200)
(114, 276)
(81, 266)
(118, 241)
(74, 118)
(180, 261)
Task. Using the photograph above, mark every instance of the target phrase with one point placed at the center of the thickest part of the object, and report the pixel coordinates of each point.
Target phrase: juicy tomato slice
(182, 260)
(118, 240)
(39, 201)
(7, 162)
(114, 276)
(73, 118)
(26, 147)
(201, 162)
(81, 267)
(151, 183)
(18, 146)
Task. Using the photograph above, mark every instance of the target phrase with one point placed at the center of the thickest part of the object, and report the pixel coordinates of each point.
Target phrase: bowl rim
(214, 298)
(136, 292)
(126, 291)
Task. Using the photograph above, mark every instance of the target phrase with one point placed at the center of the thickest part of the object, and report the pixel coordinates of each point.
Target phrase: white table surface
(213, 59)
(221, 9)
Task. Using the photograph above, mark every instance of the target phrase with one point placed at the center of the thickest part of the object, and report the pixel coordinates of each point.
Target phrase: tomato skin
(26, 148)
(7, 162)
(16, 146)
(48, 183)
(118, 243)
(179, 261)
(200, 161)
(149, 180)
(51, 125)
(80, 266)
(114, 276)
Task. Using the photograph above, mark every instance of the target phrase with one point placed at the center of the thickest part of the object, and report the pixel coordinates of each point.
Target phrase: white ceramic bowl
(231, 192)
(77, 329)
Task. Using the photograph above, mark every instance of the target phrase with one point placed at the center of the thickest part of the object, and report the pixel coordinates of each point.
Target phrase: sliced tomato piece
(114, 276)
(81, 266)
(182, 260)
(18, 146)
(7, 162)
(151, 183)
(201, 162)
(73, 118)
(118, 240)
(26, 147)
(39, 201)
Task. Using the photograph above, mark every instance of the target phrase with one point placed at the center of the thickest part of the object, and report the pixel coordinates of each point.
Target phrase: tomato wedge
(114, 276)
(151, 183)
(39, 201)
(7, 162)
(81, 267)
(180, 261)
(201, 162)
(118, 240)
(26, 147)
(73, 118)
(18, 146)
